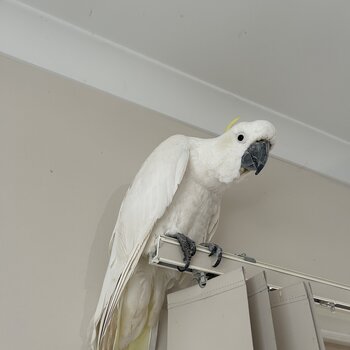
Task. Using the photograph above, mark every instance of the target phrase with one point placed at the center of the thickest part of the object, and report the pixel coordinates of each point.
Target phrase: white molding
(42, 40)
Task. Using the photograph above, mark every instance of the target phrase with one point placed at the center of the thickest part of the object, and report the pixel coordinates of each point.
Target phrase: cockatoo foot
(188, 247)
(215, 250)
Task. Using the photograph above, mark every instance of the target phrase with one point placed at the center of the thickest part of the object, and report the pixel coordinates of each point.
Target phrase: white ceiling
(290, 56)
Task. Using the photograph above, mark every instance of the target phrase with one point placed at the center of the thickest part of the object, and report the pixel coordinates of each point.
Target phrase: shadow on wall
(98, 260)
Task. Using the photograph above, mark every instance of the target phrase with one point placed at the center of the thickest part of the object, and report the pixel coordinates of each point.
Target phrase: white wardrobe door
(260, 313)
(294, 318)
(214, 317)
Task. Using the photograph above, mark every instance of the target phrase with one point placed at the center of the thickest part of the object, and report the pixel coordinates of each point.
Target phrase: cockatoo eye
(240, 137)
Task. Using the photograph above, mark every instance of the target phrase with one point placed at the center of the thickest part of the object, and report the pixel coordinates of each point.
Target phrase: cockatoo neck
(213, 163)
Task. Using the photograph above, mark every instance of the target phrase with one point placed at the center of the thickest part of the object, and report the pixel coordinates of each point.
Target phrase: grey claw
(184, 268)
(188, 247)
(215, 250)
(218, 254)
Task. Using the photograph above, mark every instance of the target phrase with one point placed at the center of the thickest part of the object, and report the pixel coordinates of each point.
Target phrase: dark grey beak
(255, 157)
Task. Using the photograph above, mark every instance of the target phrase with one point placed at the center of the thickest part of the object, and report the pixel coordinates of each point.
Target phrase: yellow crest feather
(232, 123)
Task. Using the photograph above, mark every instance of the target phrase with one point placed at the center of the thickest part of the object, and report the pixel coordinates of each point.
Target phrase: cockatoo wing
(146, 200)
(214, 225)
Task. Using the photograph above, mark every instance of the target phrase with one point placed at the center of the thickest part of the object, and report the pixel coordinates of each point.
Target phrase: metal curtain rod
(168, 255)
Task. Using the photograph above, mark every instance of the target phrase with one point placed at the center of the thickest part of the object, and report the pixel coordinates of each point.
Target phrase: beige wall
(68, 153)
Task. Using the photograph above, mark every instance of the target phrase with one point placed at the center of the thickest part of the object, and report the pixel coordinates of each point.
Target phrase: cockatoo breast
(194, 211)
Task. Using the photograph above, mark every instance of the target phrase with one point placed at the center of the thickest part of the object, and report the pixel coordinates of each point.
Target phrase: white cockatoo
(177, 191)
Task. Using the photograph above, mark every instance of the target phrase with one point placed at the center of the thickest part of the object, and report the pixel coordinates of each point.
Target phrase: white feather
(145, 202)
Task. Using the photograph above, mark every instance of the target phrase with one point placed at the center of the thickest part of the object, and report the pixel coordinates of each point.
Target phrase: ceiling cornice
(50, 43)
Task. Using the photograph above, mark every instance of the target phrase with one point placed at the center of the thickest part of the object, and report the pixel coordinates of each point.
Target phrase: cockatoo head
(242, 149)
(251, 144)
